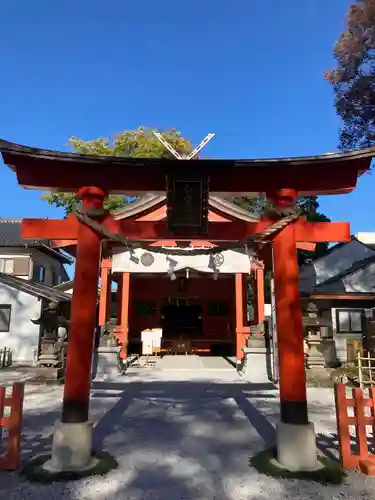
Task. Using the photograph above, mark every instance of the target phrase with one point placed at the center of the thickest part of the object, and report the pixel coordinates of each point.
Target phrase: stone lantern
(106, 361)
(319, 349)
(54, 329)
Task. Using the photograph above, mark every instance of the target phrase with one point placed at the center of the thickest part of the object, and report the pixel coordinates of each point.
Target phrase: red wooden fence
(363, 415)
(10, 459)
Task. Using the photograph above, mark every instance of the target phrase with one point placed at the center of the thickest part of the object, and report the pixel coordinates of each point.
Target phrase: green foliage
(307, 205)
(140, 143)
(353, 78)
(70, 202)
(254, 205)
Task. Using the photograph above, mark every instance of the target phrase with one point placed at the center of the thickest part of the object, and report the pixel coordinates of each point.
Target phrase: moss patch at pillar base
(329, 472)
(34, 471)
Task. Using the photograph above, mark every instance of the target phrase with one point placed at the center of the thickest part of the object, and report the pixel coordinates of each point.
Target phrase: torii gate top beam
(67, 172)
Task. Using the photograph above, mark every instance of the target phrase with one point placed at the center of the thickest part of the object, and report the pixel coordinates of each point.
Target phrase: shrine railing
(11, 407)
(5, 357)
(366, 370)
(355, 413)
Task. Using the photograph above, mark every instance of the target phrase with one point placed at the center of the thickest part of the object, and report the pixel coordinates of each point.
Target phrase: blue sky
(250, 71)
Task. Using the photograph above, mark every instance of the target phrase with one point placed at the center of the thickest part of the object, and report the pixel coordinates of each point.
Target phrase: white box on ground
(151, 338)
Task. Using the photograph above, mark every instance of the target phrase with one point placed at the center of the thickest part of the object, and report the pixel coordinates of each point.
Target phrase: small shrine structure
(188, 186)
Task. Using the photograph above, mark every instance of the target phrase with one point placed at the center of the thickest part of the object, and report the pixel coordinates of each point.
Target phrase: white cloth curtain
(146, 261)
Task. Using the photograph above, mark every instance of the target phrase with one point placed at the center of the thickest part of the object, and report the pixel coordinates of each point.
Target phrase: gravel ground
(179, 435)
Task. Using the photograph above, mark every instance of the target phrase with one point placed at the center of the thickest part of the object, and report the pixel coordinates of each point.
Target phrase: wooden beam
(105, 296)
(106, 263)
(63, 243)
(340, 296)
(240, 312)
(306, 245)
(125, 297)
(317, 232)
(149, 231)
(158, 230)
(230, 231)
(46, 229)
(258, 294)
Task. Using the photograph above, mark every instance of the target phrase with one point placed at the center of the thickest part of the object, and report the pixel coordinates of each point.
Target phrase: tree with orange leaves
(353, 79)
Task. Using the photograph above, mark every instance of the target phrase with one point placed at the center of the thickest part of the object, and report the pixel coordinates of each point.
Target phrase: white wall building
(28, 272)
(20, 302)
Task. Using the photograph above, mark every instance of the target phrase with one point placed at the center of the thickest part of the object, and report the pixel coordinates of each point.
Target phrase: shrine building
(202, 299)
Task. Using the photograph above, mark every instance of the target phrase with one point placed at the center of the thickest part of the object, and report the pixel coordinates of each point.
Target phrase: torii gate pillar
(72, 440)
(296, 442)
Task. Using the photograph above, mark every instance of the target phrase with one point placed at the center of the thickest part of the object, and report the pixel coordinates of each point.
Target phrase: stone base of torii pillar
(71, 448)
(296, 447)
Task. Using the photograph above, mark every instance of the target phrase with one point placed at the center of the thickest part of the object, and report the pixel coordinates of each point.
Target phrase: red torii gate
(91, 177)
(218, 232)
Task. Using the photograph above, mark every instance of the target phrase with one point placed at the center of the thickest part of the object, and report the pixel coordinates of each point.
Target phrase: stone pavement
(193, 363)
(179, 435)
(10, 375)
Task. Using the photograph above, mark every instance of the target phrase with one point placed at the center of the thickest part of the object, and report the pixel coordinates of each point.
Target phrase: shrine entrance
(188, 184)
(181, 317)
(197, 307)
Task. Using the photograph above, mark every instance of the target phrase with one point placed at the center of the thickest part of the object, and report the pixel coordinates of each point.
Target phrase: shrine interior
(188, 305)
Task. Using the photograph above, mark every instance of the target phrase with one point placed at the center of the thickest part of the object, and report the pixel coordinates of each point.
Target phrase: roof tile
(35, 288)
(10, 234)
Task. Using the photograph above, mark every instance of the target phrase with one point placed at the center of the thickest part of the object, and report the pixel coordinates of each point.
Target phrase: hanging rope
(86, 218)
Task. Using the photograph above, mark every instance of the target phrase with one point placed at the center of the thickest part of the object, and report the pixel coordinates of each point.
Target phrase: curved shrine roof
(152, 201)
(332, 173)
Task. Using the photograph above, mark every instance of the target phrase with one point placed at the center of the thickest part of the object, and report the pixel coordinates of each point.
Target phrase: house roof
(329, 272)
(151, 202)
(62, 287)
(335, 247)
(10, 236)
(331, 250)
(354, 268)
(34, 288)
(68, 285)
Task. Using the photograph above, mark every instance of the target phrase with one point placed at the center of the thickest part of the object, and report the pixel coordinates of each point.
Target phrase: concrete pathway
(10, 375)
(179, 435)
(193, 362)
